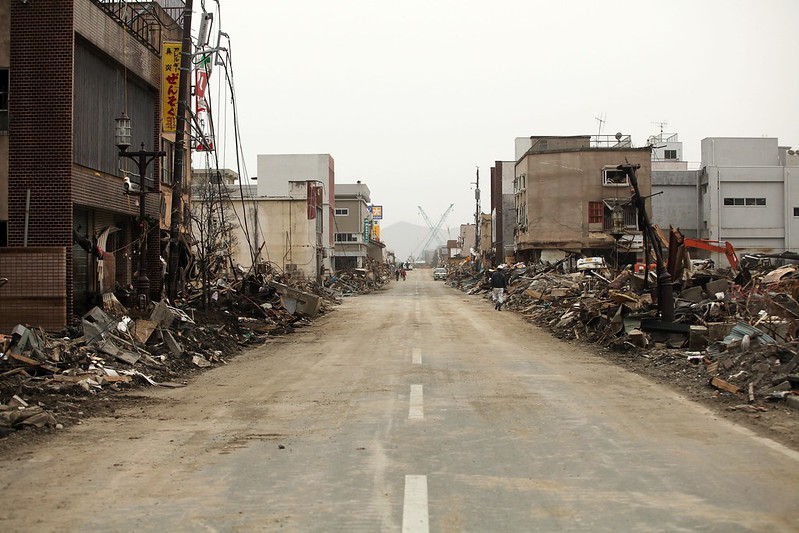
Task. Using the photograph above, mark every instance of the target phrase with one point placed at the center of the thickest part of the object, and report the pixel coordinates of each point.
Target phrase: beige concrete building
(282, 231)
(565, 191)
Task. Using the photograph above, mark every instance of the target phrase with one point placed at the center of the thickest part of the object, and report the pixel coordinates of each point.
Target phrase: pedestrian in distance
(498, 285)
(397, 273)
(402, 273)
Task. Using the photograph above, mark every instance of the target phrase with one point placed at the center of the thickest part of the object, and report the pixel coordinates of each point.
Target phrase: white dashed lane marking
(414, 508)
(416, 407)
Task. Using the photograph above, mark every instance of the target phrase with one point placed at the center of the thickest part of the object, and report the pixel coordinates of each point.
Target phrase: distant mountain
(404, 239)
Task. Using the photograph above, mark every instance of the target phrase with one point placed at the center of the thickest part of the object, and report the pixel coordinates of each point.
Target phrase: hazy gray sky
(411, 96)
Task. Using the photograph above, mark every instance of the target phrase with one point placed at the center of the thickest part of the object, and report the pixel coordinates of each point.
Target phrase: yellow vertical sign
(170, 67)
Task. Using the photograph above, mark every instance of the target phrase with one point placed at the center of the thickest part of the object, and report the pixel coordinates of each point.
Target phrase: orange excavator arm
(722, 247)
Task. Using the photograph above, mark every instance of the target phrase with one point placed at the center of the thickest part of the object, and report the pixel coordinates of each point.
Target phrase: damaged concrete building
(68, 231)
(356, 231)
(567, 190)
(276, 171)
(503, 211)
(282, 230)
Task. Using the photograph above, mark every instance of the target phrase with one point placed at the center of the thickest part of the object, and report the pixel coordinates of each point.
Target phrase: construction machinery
(722, 247)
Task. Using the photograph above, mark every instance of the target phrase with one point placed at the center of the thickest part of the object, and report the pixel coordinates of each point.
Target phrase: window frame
(351, 238)
(738, 201)
(596, 213)
(608, 182)
(341, 212)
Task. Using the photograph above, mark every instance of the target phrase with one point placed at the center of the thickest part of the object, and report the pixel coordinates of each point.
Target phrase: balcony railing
(145, 20)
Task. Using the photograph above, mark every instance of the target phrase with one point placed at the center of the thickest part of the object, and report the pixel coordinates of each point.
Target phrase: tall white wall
(276, 170)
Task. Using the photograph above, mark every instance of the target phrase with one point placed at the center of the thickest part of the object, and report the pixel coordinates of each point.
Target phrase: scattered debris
(46, 380)
(738, 327)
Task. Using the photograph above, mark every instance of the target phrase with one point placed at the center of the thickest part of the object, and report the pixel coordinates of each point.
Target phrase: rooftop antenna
(601, 119)
(662, 124)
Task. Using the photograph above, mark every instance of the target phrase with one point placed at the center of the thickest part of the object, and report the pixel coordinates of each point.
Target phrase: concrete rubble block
(27, 416)
(142, 330)
(162, 315)
(719, 285)
(716, 331)
(172, 343)
(697, 338)
(782, 387)
(638, 338)
(298, 302)
(693, 294)
(558, 293)
(200, 361)
(534, 294)
(628, 299)
(167, 316)
(126, 356)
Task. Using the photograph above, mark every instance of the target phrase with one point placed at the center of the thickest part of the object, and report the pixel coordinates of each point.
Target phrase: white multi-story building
(749, 194)
(674, 186)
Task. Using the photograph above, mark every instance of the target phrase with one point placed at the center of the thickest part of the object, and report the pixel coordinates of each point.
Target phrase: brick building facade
(74, 66)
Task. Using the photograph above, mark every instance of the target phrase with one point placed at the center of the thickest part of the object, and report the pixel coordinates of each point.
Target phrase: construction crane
(429, 222)
(433, 234)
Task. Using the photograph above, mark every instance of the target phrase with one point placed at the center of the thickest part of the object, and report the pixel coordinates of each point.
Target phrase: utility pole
(477, 213)
(180, 154)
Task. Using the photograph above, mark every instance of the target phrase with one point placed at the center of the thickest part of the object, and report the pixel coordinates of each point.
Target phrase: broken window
(613, 177)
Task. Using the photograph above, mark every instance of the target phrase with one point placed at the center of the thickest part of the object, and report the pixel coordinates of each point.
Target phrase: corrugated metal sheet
(742, 328)
(102, 91)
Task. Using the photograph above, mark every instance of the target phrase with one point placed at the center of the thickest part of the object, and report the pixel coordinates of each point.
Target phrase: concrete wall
(559, 187)
(791, 207)
(281, 225)
(675, 200)
(739, 152)
(276, 170)
(574, 142)
(468, 236)
(769, 228)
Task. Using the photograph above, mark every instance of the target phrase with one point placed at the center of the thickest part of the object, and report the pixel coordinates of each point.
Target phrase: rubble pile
(111, 351)
(45, 379)
(739, 332)
(357, 281)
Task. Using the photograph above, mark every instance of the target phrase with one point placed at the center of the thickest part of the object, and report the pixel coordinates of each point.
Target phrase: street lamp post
(143, 158)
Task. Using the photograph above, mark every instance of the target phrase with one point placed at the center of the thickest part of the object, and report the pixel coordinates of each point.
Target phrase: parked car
(440, 273)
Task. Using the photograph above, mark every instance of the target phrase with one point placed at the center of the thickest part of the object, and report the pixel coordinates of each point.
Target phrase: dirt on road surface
(326, 430)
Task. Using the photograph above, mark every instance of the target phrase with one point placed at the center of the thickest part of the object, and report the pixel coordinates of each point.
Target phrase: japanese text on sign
(170, 83)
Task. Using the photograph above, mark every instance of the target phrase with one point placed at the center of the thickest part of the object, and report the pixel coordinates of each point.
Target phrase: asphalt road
(415, 409)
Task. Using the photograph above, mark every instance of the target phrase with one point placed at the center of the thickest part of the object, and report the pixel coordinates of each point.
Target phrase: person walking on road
(402, 273)
(498, 284)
